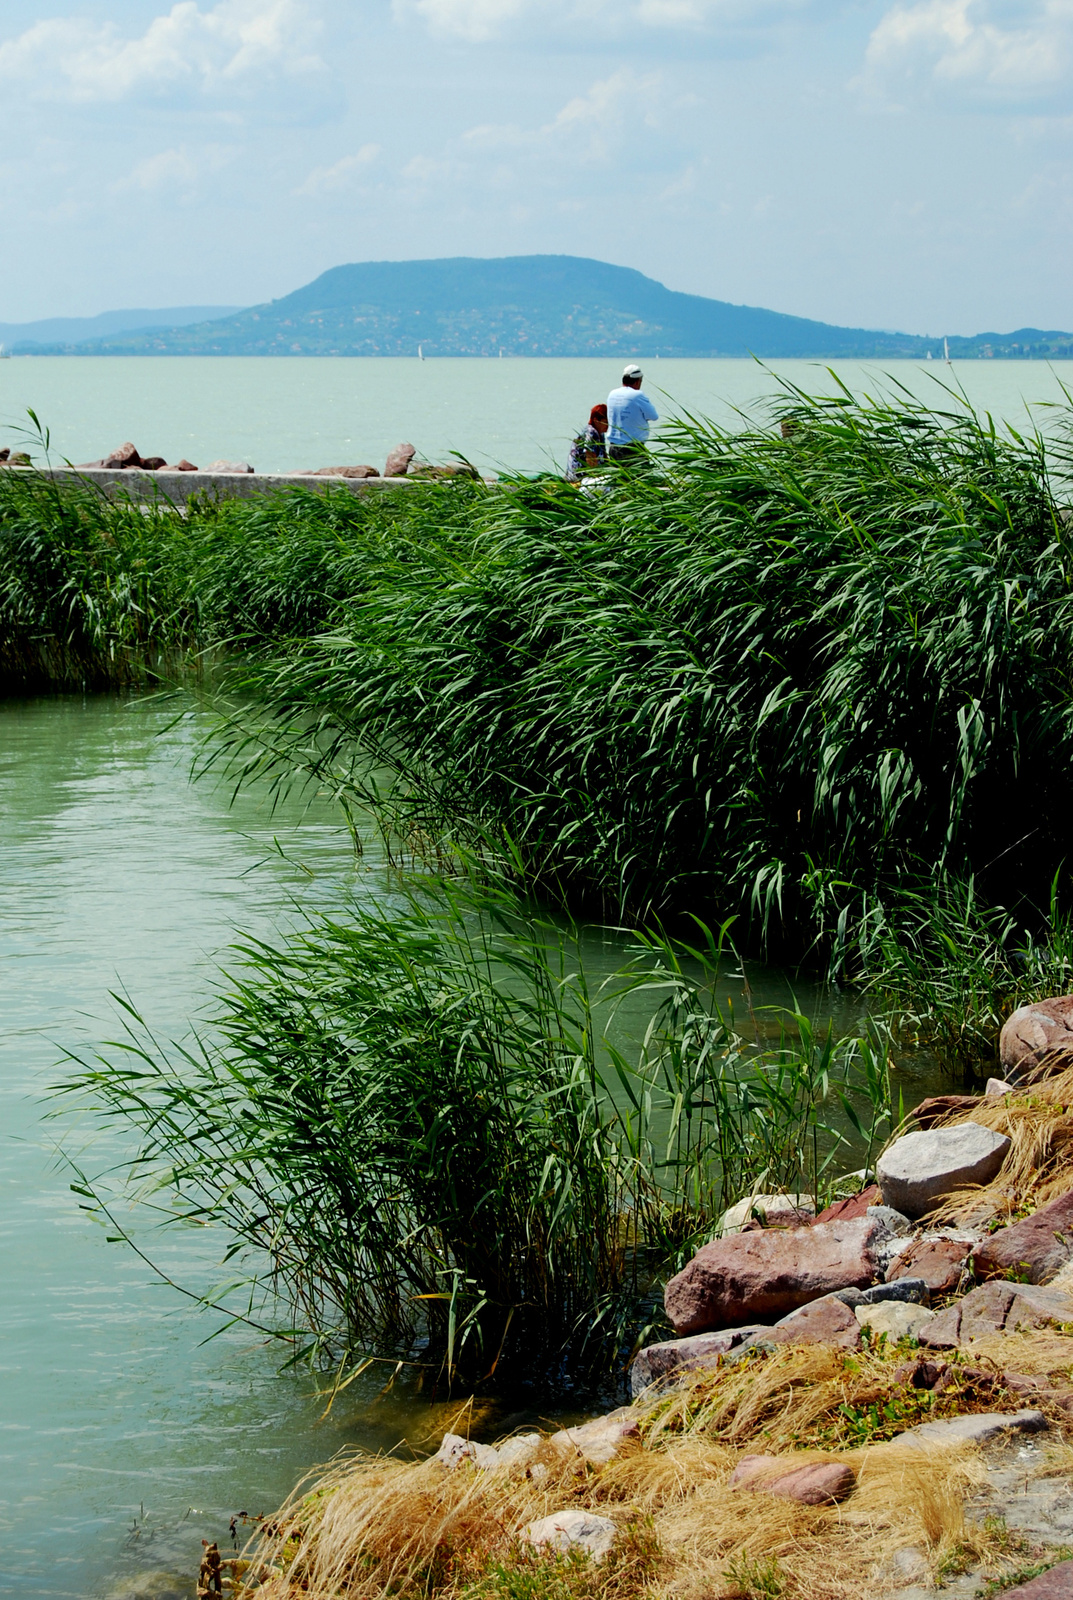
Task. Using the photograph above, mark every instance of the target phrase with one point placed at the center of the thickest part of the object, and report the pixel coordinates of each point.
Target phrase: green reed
(416, 1124)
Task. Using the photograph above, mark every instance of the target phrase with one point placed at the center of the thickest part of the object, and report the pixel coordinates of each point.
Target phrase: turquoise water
(280, 414)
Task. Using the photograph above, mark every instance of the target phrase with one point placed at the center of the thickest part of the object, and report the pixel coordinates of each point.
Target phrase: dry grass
(373, 1528)
(1039, 1121)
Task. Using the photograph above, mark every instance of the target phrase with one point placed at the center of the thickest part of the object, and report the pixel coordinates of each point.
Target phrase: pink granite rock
(660, 1361)
(940, 1262)
(345, 472)
(817, 1483)
(1056, 1584)
(398, 462)
(1035, 1031)
(856, 1206)
(770, 1272)
(996, 1307)
(826, 1321)
(1035, 1248)
(125, 456)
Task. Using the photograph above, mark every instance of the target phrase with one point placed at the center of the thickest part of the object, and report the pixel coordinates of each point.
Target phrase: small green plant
(1024, 1574)
(761, 1578)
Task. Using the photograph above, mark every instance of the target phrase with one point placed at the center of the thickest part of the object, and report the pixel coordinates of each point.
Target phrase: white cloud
(234, 44)
(588, 125)
(174, 172)
(979, 46)
(477, 21)
(340, 176)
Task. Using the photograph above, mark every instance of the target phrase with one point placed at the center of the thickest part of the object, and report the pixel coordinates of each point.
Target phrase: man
(629, 412)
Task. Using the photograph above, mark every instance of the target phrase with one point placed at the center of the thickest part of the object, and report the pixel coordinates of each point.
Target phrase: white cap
(632, 371)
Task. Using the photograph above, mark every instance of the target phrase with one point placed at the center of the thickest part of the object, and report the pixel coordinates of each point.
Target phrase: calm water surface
(125, 1437)
(281, 413)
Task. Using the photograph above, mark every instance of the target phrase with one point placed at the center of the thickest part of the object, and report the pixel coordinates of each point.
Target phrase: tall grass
(777, 678)
(418, 1124)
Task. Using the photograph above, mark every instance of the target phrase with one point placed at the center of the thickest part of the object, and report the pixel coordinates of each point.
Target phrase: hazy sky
(899, 165)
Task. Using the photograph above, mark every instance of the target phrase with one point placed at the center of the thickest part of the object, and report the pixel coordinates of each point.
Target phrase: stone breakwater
(126, 474)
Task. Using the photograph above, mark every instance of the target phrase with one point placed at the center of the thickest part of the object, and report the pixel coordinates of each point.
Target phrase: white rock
(519, 1451)
(898, 1319)
(573, 1530)
(920, 1168)
(598, 1441)
(998, 1086)
(972, 1429)
(772, 1208)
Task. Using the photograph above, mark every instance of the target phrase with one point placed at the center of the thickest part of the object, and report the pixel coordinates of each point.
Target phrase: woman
(588, 449)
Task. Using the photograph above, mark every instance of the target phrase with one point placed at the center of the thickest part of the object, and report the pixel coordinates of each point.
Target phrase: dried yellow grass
(373, 1528)
(1038, 1119)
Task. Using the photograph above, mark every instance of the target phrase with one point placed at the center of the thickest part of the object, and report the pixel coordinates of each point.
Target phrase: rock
(186, 466)
(972, 1429)
(817, 1483)
(1054, 1584)
(1033, 1032)
(153, 463)
(920, 1169)
(898, 1319)
(826, 1321)
(16, 458)
(895, 1222)
(573, 1530)
(659, 1361)
(598, 1441)
(856, 1206)
(938, 1263)
(997, 1087)
(454, 1450)
(398, 462)
(1037, 1247)
(125, 456)
(227, 466)
(345, 472)
(769, 1273)
(993, 1308)
(908, 1289)
(937, 1106)
(773, 1210)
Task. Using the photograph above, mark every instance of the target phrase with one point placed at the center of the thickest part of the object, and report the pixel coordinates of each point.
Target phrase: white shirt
(628, 414)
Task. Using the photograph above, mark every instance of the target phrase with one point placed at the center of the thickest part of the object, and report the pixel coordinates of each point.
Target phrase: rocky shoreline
(875, 1400)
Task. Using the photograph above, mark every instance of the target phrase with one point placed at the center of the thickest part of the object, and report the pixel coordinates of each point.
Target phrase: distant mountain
(527, 305)
(74, 330)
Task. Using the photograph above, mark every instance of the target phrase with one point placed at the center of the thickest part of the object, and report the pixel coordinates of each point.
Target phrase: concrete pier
(176, 488)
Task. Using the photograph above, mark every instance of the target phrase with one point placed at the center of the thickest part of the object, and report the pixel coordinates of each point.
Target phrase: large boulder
(1036, 1248)
(996, 1308)
(228, 466)
(598, 1441)
(762, 1275)
(856, 1206)
(1032, 1032)
(920, 1169)
(659, 1362)
(344, 472)
(898, 1319)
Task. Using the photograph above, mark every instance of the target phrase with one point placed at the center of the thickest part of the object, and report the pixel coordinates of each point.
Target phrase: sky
(904, 165)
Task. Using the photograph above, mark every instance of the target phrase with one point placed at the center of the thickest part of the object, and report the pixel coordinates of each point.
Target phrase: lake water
(280, 413)
(124, 1437)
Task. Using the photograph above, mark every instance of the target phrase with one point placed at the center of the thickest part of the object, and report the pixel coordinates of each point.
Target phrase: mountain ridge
(529, 305)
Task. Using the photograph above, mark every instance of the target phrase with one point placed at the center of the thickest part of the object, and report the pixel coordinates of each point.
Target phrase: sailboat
(946, 351)
(5, 355)
(420, 354)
